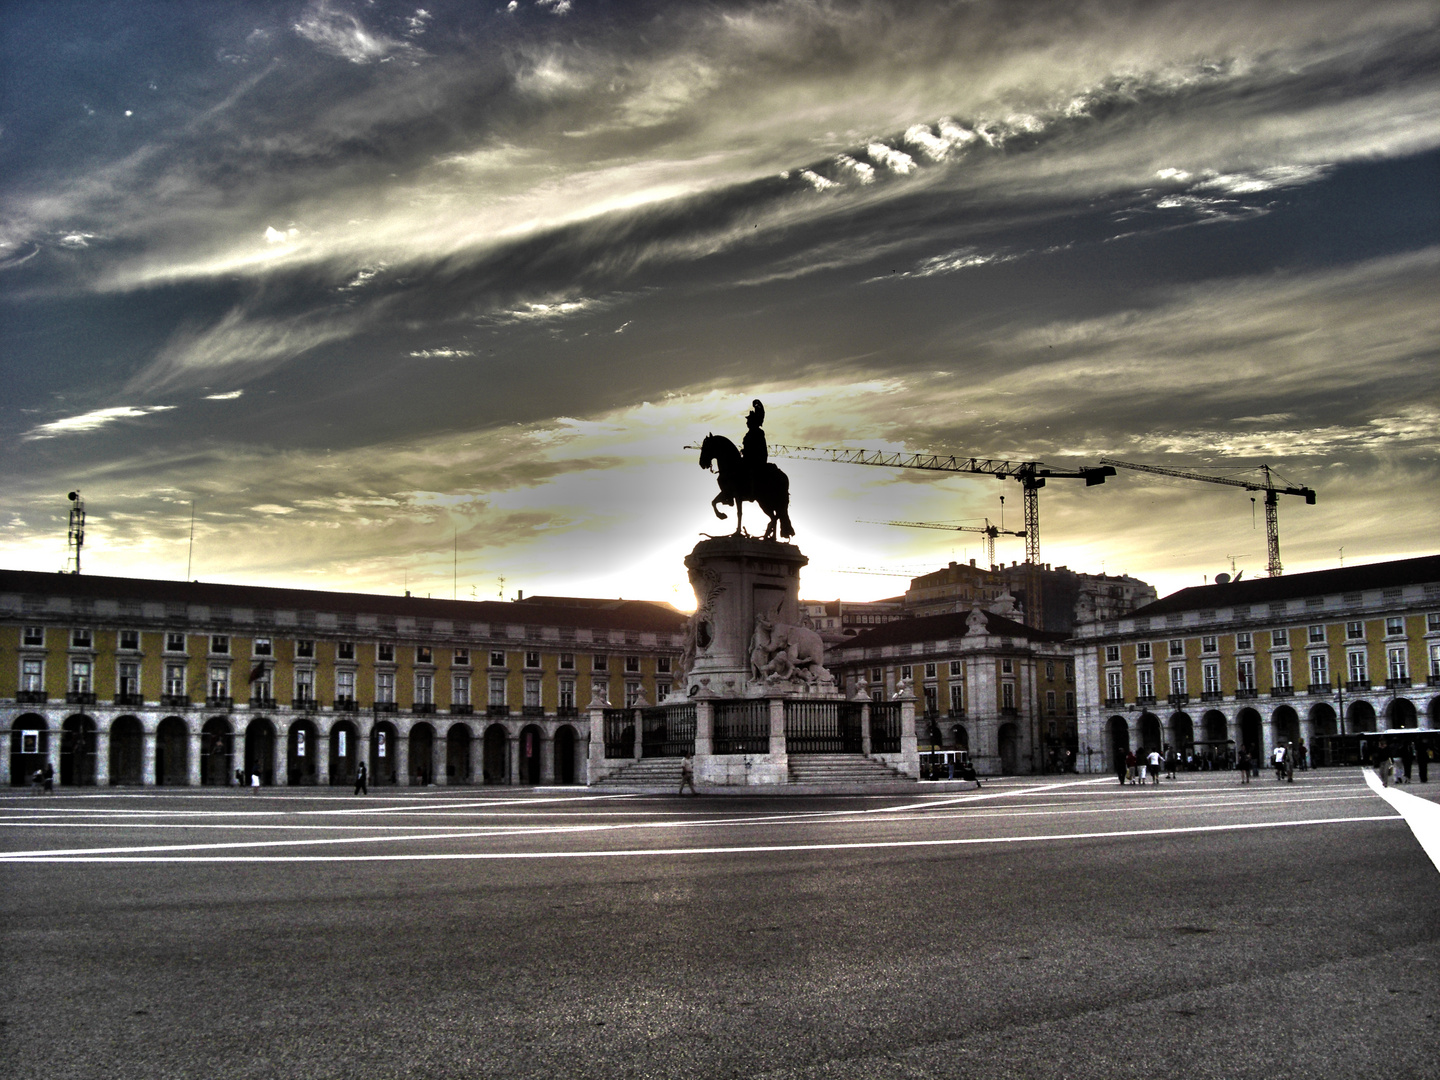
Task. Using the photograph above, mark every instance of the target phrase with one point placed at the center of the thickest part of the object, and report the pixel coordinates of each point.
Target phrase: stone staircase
(645, 773)
(837, 770)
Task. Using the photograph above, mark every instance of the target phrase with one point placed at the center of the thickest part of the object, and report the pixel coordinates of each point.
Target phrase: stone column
(193, 759)
(546, 750)
(595, 763)
(402, 758)
(1267, 738)
(147, 756)
(362, 752)
(909, 762)
(102, 759)
(514, 759)
(321, 750)
(5, 759)
(704, 729)
(777, 729)
(52, 751)
(867, 744)
(440, 756)
(280, 759)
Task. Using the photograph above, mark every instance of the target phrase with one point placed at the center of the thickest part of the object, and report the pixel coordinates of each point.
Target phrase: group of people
(1131, 769)
(1397, 764)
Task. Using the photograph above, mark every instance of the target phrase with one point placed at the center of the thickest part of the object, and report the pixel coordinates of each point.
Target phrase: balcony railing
(385, 707)
(1434, 679)
(31, 697)
(1319, 688)
(532, 710)
(1178, 699)
(345, 704)
(956, 714)
(1212, 695)
(497, 710)
(422, 708)
(1357, 685)
(465, 709)
(174, 701)
(132, 700)
(80, 697)
(1398, 684)
(567, 711)
(219, 701)
(1282, 691)
(1244, 692)
(1145, 699)
(305, 703)
(257, 702)
(1114, 702)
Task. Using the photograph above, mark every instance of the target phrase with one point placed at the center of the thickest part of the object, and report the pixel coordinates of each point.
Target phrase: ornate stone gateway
(752, 688)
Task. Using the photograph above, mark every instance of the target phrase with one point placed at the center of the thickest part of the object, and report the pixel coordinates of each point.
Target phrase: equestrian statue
(749, 476)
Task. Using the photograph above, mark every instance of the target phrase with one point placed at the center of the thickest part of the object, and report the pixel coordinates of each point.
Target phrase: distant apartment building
(1050, 598)
(127, 681)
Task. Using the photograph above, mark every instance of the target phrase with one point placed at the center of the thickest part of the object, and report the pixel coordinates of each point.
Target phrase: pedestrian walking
(687, 775)
(48, 779)
(1171, 758)
(1242, 762)
(362, 777)
(1130, 765)
(1277, 759)
(1422, 756)
(1407, 757)
(1120, 767)
(1152, 762)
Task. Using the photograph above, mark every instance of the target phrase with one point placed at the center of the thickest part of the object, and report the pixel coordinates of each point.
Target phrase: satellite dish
(1222, 579)
(74, 495)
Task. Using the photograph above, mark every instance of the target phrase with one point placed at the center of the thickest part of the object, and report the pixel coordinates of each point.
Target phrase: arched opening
(961, 737)
(1117, 742)
(1251, 733)
(77, 752)
(1401, 713)
(1287, 725)
(1434, 712)
(1360, 717)
(383, 745)
(217, 747)
(1009, 740)
(302, 748)
(565, 740)
(1323, 720)
(127, 751)
(1217, 731)
(531, 740)
(172, 753)
(496, 755)
(29, 748)
(260, 751)
(1150, 738)
(422, 755)
(1182, 731)
(344, 753)
(457, 754)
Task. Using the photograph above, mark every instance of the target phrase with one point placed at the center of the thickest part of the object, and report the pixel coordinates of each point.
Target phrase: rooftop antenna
(502, 586)
(190, 559)
(76, 539)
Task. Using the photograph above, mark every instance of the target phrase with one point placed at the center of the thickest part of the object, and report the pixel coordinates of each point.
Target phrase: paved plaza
(1038, 927)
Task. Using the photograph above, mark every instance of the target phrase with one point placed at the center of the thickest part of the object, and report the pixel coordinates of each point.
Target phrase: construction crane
(990, 532)
(1272, 493)
(1031, 475)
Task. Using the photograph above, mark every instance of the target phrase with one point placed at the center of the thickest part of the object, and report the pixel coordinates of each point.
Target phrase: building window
(1049, 669)
(174, 642)
(345, 650)
(385, 652)
(1210, 673)
(1050, 702)
(305, 650)
(497, 690)
(261, 686)
(567, 693)
(1282, 672)
(1245, 674)
(1112, 654)
(1319, 669)
(906, 672)
(532, 659)
(1279, 638)
(1435, 661)
(567, 661)
(662, 691)
(632, 694)
(219, 682)
(424, 654)
(1316, 635)
(1070, 702)
(80, 676)
(1242, 641)
(220, 644)
(424, 688)
(80, 638)
(957, 698)
(174, 679)
(1394, 627)
(1398, 663)
(1177, 680)
(1007, 666)
(929, 671)
(1007, 695)
(1210, 643)
(1177, 646)
(1146, 680)
(263, 647)
(1114, 686)
(460, 690)
(345, 686)
(462, 657)
(1142, 650)
(877, 676)
(497, 659)
(32, 675)
(532, 693)
(1069, 670)
(932, 700)
(1355, 631)
(662, 665)
(128, 683)
(384, 687)
(304, 684)
(1359, 669)
(1432, 622)
(632, 665)
(33, 636)
(130, 639)
(600, 662)
(956, 668)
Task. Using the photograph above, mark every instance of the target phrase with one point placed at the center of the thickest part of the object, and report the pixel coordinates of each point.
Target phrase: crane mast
(1272, 499)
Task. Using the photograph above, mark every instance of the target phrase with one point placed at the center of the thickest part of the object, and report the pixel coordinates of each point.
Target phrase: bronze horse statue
(768, 486)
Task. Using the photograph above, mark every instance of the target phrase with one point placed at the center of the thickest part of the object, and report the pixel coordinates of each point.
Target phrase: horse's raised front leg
(718, 512)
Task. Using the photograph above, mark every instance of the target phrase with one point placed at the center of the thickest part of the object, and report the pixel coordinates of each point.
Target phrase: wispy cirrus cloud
(93, 420)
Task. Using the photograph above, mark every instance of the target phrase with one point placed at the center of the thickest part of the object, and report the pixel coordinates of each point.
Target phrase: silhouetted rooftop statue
(749, 477)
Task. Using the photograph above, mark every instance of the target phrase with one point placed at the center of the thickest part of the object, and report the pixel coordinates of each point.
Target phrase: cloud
(229, 395)
(93, 420)
(342, 34)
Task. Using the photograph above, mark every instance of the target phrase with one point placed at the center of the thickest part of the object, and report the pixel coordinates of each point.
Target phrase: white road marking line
(1421, 815)
(671, 852)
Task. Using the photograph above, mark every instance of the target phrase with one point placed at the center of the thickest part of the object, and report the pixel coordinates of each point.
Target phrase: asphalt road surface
(1047, 927)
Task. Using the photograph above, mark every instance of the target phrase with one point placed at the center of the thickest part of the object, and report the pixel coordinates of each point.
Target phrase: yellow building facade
(124, 681)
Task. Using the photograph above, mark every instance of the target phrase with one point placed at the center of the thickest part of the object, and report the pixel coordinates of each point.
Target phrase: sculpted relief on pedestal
(786, 653)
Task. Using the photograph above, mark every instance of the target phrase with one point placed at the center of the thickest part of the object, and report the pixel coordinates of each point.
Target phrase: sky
(442, 297)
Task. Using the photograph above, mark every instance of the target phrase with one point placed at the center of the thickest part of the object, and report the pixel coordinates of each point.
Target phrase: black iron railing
(619, 733)
(823, 727)
(885, 727)
(462, 710)
(667, 731)
(31, 697)
(741, 727)
(80, 697)
(129, 699)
